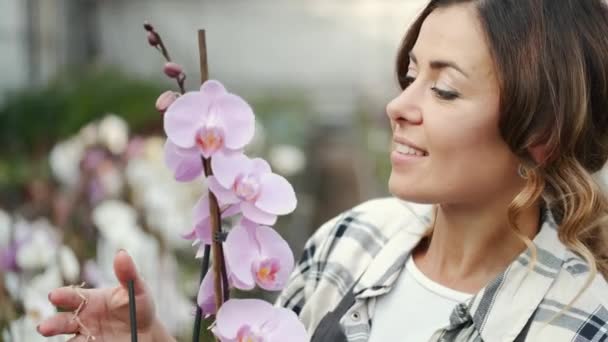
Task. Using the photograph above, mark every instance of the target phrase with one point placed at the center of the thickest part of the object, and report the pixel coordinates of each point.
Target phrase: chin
(408, 190)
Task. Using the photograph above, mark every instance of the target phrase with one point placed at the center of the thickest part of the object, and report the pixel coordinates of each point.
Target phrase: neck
(471, 245)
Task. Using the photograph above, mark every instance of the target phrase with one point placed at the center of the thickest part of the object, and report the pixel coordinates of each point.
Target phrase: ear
(538, 153)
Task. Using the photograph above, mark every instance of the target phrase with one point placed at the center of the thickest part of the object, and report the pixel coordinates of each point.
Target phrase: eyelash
(442, 94)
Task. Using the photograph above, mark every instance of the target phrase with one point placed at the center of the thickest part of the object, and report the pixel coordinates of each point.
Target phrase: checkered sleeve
(307, 271)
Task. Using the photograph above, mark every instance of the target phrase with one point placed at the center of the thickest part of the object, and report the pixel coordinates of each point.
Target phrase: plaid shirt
(373, 240)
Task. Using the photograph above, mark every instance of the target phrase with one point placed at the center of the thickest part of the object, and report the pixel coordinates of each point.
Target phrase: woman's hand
(105, 314)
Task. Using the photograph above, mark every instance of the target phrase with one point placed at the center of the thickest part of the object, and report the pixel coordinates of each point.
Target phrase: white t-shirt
(414, 309)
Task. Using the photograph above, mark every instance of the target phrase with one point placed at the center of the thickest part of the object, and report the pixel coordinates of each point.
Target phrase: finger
(125, 270)
(67, 297)
(61, 323)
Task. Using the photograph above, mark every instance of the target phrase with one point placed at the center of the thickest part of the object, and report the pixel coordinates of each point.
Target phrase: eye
(445, 94)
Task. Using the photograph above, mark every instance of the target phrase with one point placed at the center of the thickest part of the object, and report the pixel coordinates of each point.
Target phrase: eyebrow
(440, 64)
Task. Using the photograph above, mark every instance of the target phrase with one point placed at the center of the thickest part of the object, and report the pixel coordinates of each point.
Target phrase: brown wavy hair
(551, 57)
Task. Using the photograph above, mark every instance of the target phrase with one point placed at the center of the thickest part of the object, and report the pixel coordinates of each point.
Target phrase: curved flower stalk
(207, 131)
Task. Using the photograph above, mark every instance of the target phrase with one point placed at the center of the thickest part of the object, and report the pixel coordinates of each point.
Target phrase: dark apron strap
(329, 328)
(521, 337)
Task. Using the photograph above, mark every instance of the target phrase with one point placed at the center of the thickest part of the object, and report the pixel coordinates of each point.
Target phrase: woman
(502, 120)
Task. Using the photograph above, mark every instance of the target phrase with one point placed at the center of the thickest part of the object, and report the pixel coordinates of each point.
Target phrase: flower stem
(221, 285)
(160, 46)
(199, 312)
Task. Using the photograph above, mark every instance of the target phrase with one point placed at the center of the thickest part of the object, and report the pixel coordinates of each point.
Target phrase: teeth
(408, 150)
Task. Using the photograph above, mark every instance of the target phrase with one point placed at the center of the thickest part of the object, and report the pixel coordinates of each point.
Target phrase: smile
(409, 150)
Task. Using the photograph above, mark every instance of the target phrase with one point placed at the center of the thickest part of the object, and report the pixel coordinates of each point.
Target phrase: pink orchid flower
(200, 123)
(250, 183)
(201, 233)
(186, 164)
(244, 320)
(258, 255)
(206, 293)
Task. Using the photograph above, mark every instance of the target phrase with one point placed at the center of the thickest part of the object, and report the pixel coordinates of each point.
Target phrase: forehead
(454, 34)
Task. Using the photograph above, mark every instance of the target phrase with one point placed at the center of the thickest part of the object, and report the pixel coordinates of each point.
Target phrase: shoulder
(364, 229)
(379, 218)
(339, 251)
(576, 305)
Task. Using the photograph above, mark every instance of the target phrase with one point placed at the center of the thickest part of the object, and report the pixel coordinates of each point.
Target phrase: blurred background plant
(81, 170)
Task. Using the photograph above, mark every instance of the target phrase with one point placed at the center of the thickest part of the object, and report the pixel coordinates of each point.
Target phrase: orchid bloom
(250, 183)
(206, 293)
(258, 255)
(201, 233)
(200, 123)
(254, 320)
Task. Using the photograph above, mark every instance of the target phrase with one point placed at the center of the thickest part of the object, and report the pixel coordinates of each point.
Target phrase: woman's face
(446, 147)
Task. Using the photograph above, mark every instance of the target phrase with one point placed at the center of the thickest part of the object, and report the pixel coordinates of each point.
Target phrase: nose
(405, 108)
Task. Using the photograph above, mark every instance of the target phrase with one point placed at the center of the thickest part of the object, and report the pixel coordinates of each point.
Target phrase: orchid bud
(148, 27)
(153, 39)
(165, 100)
(172, 70)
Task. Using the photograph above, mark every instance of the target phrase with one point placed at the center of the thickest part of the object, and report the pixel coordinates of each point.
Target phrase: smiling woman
(498, 232)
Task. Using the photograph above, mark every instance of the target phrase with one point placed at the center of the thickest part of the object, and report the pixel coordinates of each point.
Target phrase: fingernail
(38, 329)
(49, 296)
(121, 250)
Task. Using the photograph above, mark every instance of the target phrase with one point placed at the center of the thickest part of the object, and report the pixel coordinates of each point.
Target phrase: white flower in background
(64, 160)
(68, 264)
(110, 179)
(33, 295)
(114, 133)
(24, 330)
(11, 283)
(88, 135)
(117, 224)
(5, 228)
(41, 284)
(39, 248)
(287, 160)
(37, 307)
(115, 219)
(166, 203)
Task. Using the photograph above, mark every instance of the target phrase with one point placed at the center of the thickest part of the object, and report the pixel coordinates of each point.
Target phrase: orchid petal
(276, 195)
(235, 313)
(256, 215)
(288, 327)
(272, 245)
(231, 211)
(183, 118)
(238, 120)
(189, 235)
(200, 252)
(227, 166)
(200, 212)
(241, 251)
(260, 166)
(203, 231)
(212, 89)
(206, 294)
(185, 163)
(224, 196)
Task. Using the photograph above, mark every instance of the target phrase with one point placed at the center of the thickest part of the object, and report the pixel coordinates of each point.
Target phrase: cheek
(470, 156)
(468, 159)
